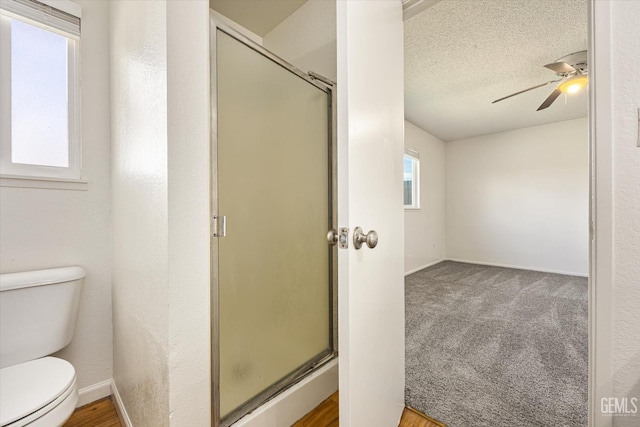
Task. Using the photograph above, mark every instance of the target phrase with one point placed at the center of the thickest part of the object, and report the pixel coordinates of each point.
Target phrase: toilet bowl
(38, 311)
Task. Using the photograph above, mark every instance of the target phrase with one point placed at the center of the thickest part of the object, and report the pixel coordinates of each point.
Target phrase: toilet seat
(38, 392)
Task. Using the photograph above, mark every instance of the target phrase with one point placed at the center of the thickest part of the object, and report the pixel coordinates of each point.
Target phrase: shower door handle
(371, 238)
(219, 226)
(332, 237)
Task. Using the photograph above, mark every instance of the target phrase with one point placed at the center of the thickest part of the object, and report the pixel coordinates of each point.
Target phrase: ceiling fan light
(573, 85)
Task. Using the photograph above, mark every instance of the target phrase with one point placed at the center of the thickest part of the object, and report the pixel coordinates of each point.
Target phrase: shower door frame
(325, 357)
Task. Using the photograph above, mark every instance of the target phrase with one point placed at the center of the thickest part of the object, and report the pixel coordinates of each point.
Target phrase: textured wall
(52, 228)
(314, 46)
(139, 208)
(189, 196)
(520, 198)
(626, 302)
(424, 229)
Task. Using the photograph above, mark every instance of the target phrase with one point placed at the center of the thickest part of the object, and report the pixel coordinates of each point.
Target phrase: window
(39, 109)
(411, 179)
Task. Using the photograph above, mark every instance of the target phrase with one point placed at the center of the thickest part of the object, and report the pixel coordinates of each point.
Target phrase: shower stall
(273, 201)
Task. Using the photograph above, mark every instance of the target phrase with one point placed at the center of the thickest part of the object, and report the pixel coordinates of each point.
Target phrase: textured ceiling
(462, 54)
(259, 16)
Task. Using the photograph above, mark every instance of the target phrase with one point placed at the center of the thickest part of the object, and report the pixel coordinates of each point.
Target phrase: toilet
(38, 311)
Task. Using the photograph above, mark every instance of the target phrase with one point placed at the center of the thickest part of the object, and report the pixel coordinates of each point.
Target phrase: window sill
(411, 209)
(43, 182)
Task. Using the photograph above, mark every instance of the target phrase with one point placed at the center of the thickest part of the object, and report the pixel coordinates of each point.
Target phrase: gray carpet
(498, 347)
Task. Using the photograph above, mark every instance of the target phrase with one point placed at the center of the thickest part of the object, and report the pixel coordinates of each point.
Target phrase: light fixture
(574, 84)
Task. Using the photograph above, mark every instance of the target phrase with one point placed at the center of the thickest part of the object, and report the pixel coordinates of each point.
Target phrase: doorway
(516, 187)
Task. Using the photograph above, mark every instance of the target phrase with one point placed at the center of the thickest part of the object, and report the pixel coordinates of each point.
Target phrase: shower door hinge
(219, 226)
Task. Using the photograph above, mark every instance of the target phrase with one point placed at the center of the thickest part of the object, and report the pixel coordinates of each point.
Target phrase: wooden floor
(100, 413)
(326, 415)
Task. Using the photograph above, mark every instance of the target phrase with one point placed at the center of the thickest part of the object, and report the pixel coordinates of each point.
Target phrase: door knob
(371, 238)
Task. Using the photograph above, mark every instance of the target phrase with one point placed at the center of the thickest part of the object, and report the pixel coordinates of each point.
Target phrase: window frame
(17, 174)
(414, 156)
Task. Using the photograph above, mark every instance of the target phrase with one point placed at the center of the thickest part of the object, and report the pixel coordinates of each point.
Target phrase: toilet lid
(27, 387)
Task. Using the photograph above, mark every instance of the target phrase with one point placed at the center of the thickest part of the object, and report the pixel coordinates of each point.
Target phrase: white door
(370, 144)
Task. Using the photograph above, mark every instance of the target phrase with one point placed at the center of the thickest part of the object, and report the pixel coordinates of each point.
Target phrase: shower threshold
(278, 388)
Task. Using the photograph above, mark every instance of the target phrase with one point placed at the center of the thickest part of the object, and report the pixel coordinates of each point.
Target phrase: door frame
(600, 211)
(323, 358)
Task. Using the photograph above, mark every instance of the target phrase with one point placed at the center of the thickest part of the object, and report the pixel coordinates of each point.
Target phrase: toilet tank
(38, 311)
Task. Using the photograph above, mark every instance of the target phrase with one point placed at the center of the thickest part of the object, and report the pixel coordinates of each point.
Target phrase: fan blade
(523, 91)
(556, 93)
(560, 67)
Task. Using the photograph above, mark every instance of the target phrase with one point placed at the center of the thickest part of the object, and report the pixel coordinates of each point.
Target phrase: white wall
(44, 228)
(424, 228)
(520, 198)
(189, 208)
(160, 179)
(140, 211)
(307, 38)
(626, 199)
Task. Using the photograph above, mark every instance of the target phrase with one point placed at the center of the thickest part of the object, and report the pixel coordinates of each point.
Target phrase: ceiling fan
(572, 70)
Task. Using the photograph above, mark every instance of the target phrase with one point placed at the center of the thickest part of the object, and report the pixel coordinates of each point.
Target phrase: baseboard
(120, 409)
(517, 267)
(295, 403)
(93, 392)
(423, 267)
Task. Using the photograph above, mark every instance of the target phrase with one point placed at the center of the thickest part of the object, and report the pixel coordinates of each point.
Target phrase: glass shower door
(274, 190)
